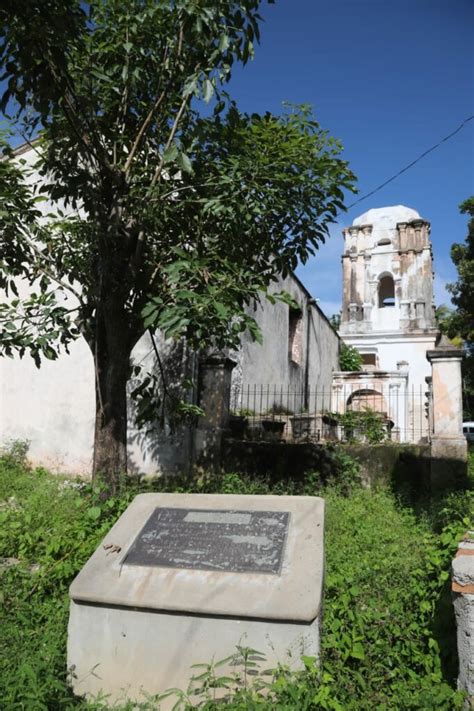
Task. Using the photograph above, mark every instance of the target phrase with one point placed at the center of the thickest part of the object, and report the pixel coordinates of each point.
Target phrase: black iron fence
(338, 413)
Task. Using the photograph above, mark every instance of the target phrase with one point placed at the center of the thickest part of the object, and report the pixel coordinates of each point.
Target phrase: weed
(387, 623)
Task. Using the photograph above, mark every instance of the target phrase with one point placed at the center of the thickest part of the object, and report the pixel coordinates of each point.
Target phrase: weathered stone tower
(408, 376)
(387, 273)
(388, 315)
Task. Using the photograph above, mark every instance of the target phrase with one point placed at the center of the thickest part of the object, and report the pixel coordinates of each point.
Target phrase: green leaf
(170, 154)
(94, 512)
(100, 75)
(357, 651)
(151, 318)
(221, 310)
(190, 86)
(208, 91)
(185, 163)
(224, 42)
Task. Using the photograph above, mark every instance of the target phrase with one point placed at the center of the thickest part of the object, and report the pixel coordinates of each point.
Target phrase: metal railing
(337, 413)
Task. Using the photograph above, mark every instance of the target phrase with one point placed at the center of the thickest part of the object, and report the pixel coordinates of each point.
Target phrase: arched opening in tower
(386, 292)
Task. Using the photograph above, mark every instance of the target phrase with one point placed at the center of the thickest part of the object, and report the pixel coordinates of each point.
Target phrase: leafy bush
(366, 424)
(349, 358)
(15, 451)
(387, 623)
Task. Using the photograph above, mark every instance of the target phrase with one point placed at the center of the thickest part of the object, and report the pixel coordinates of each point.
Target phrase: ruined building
(388, 314)
(387, 275)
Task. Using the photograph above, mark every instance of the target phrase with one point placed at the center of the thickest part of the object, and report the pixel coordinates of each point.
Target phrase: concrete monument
(181, 579)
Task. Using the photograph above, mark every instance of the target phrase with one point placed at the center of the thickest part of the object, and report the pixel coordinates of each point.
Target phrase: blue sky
(390, 78)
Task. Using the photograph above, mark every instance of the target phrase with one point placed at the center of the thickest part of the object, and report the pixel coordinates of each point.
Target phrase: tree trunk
(112, 370)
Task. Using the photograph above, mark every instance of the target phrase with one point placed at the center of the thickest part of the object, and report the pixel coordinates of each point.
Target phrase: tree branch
(141, 132)
(156, 177)
(147, 121)
(46, 271)
(174, 128)
(160, 364)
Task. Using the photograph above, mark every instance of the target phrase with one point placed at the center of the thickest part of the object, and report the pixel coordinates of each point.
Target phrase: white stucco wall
(395, 348)
(53, 407)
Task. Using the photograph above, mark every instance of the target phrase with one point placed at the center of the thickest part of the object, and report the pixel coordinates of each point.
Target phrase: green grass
(388, 634)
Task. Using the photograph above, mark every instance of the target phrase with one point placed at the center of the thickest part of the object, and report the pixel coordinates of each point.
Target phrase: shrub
(349, 358)
(366, 424)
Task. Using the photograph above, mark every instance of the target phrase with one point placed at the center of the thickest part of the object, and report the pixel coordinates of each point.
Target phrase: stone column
(404, 314)
(353, 259)
(418, 227)
(395, 410)
(373, 294)
(398, 292)
(420, 312)
(448, 445)
(354, 236)
(402, 236)
(346, 286)
(215, 376)
(353, 312)
(463, 600)
(367, 307)
(429, 403)
(338, 403)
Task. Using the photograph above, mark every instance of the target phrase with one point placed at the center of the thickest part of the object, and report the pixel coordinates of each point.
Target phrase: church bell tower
(387, 273)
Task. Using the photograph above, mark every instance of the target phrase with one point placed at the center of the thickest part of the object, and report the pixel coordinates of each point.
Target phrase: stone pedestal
(463, 600)
(181, 579)
(215, 377)
(448, 445)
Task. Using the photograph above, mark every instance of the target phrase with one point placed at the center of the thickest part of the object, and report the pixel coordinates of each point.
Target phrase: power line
(410, 165)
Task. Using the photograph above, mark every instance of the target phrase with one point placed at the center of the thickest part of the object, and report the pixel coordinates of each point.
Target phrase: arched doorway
(366, 399)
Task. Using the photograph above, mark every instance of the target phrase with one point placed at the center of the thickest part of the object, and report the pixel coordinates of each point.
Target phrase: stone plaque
(209, 539)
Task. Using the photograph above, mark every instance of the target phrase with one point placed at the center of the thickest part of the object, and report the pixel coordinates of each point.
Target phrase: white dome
(386, 217)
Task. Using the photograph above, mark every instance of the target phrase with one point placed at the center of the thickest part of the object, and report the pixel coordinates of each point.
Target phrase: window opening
(295, 336)
(386, 292)
(369, 359)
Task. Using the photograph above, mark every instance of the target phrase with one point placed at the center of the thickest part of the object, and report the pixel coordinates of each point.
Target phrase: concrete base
(463, 599)
(464, 610)
(128, 653)
(448, 460)
(138, 625)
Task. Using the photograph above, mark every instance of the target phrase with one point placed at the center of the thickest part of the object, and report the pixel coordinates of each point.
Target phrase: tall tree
(461, 322)
(158, 217)
(462, 290)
